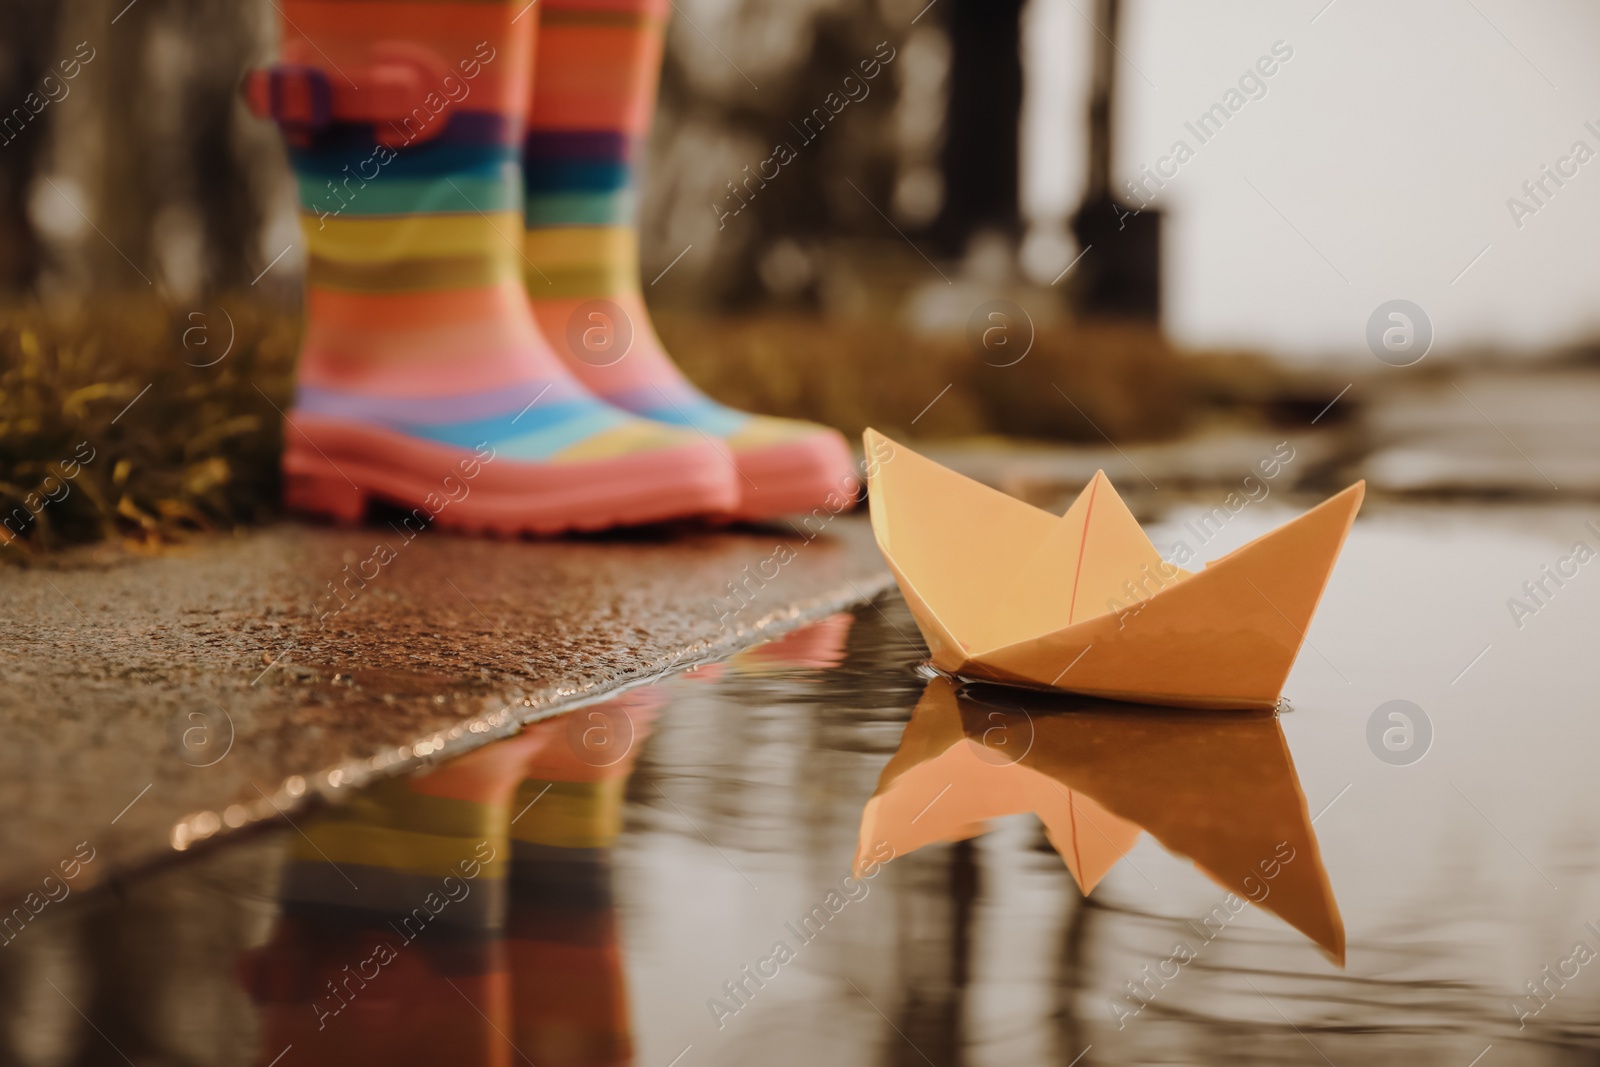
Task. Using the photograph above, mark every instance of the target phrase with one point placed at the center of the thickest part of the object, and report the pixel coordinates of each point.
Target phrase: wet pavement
(814, 852)
(155, 703)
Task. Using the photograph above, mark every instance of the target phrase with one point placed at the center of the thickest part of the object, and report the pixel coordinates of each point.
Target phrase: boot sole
(334, 469)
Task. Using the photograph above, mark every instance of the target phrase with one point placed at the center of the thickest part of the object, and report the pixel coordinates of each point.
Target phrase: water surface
(815, 853)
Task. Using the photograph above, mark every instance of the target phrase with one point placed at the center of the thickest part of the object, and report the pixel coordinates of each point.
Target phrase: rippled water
(816, 853)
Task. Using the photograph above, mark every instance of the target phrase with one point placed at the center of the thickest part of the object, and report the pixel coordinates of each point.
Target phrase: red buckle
(302, 98)
(294, 96)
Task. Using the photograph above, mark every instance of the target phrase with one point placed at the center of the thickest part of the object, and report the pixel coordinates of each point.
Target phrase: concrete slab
(151, 704)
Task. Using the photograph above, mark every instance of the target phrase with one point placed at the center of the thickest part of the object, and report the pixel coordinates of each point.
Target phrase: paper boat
(1083, 602)
(1218, 789)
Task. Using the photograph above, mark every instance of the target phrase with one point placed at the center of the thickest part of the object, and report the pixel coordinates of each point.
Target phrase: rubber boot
(423, 379)
(593, 99)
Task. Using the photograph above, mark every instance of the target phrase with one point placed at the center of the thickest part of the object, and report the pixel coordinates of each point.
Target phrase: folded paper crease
(1083, 602)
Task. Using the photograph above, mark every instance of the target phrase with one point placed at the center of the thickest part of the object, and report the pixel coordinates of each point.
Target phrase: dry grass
(198, 448)
(1122, 379)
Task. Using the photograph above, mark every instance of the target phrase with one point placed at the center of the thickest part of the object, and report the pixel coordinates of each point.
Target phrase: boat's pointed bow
(1340, 510)
(953, 543)
(1352, 496)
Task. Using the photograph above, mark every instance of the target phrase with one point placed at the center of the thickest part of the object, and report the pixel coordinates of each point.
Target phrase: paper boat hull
(1223, 638)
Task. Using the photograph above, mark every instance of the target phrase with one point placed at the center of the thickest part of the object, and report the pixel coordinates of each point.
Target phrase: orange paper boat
(1084, 603)
(1220, 790)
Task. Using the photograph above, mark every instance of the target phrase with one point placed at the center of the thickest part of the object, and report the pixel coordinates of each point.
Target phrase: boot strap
(303, 99)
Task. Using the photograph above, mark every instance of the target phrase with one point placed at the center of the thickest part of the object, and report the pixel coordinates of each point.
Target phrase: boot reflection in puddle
(817, 646)
(1218, 788)
(463, 915)
(569, 998)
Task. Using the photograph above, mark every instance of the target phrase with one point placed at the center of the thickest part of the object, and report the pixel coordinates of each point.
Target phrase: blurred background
(1167, 239)
(1001, 235)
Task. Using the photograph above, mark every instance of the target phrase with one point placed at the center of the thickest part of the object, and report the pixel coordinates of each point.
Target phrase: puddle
(813, 853)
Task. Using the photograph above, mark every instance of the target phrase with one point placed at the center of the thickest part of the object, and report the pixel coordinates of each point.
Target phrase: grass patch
(133, 422)
(1079, 383)
(112, 426)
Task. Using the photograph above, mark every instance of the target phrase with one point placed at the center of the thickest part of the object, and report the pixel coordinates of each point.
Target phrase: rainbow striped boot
(594, 91)
(423, 378)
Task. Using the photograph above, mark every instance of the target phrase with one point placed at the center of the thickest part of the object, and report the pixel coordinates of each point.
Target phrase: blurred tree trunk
(156, 150)
(710, 129)
(982, 138)
(1123, 280)
(24, 24)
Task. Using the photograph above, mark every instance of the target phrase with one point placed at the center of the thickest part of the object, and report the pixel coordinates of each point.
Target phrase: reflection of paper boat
(1083, 602)
(1220, 790)
(944, 785)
